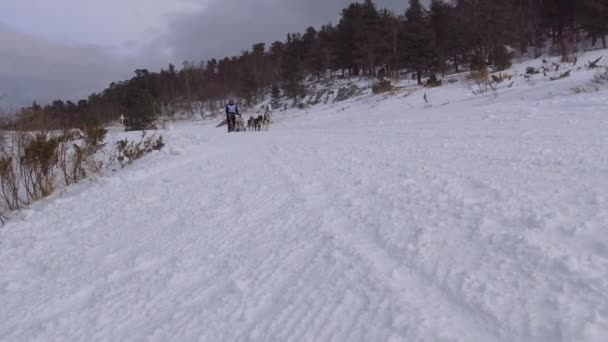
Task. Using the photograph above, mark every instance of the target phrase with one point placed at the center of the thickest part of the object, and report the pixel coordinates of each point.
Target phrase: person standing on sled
(232, 111)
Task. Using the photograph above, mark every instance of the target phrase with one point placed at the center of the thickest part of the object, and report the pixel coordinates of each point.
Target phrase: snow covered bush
(383, 86)
(478, 61)
(479, 82)
(9, 183)
(532, 71)
(497, 79)
(32, 164)
(591, 88)
(601, 77)
(129, 151)
(594, 64)
(27, 168)
(11, 173)
(79, 153)
(40, 160)
(433, 81)
(561, 76)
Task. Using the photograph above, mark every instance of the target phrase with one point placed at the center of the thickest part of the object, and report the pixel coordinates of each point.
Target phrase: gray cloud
(32, 68)
(227, 27)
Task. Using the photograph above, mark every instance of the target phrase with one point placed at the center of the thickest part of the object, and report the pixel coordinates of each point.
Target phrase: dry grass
(34, 164)
(383, 86)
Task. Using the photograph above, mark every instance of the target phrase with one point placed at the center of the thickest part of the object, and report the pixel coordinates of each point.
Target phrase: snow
(380, 218)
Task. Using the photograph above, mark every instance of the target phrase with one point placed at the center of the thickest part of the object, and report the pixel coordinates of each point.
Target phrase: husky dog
(239, 124)
(251, 123)
(258, 121)
(266, 121)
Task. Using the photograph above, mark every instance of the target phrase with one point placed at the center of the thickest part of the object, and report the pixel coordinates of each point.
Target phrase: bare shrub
(16, 184)
(129, 151)
(496, 79)
(590, 88)
(85, 161)
(40, 159)
(561, 76)
(383, 86)
(532, 71)
(594, 64)
(601, 78)
(65, 155)
(31, 162)
(567, 48)
(479, 82)
(9, 183)
(433, 82)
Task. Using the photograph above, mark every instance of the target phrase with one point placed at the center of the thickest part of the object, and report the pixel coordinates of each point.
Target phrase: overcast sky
(71, 48)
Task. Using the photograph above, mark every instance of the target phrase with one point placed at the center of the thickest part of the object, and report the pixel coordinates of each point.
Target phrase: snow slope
(472, 218)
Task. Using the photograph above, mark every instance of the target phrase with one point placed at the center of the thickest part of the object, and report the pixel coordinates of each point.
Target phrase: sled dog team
(237, 124)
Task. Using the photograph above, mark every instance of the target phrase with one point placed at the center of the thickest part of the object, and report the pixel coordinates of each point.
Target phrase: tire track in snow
(396, 276)
(290, 321)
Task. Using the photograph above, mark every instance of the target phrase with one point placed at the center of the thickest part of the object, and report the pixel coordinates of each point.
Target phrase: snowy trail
(476, 223)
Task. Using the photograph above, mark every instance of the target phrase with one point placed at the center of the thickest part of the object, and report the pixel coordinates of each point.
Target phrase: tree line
(367, 41)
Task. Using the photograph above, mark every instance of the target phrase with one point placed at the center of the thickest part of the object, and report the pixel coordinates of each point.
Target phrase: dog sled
(255, 123)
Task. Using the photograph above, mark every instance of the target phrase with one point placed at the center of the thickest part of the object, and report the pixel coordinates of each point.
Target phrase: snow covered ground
(471, 218)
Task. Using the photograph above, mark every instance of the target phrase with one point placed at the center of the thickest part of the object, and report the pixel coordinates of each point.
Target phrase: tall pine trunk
(372, 65)
(395, 70)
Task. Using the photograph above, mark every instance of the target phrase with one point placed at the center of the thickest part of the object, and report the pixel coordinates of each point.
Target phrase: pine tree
(478, 61)
(249, 87)
(527, 22)
(559, 16)
(293, 74)
(418, 40)
(487, 24)
(257, 64)
(501, 57)
(440, 22)
(593, 16)
(140, 100)
(347, 53)
(275, 95)
(458, 44)
(369, 37)
(392, 27)
(317, 50)
(309, 48)
(277, 59)
(327, 43)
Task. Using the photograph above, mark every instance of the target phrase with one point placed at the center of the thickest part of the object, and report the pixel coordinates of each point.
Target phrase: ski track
(482, 223)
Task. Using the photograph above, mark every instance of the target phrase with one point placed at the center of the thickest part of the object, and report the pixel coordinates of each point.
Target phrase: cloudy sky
(71, 48)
